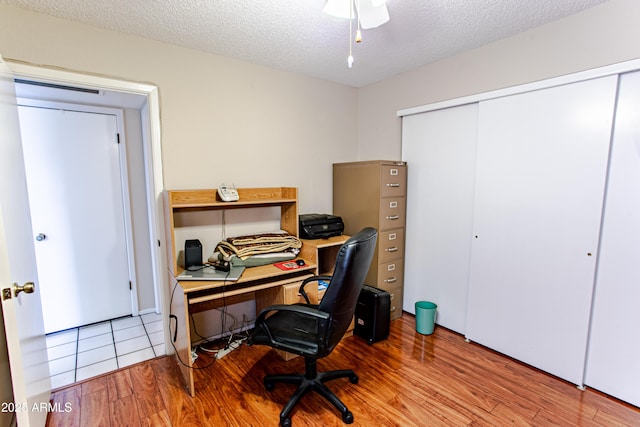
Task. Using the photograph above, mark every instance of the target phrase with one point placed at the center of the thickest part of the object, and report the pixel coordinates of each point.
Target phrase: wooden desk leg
(182, 344)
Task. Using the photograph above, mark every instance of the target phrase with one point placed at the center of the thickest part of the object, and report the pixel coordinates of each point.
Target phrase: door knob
(27, 288)
(40, 237)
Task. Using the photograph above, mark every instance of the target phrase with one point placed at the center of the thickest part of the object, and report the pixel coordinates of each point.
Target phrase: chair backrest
(351, 268)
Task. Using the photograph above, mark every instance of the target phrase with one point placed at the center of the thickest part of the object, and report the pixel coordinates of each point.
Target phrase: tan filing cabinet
(374, 194)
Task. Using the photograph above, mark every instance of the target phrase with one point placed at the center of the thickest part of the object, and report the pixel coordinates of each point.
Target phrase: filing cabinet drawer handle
(392, 217)
(393, 308)
(393, 185)
(390, 280)
(391, 249)
(392, 296)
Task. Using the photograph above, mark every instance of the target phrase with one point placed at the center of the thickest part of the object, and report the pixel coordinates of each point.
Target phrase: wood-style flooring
(407, 380)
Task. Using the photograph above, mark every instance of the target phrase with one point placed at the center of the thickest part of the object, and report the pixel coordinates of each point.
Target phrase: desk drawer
(392, 212)
(390, 245)
(291, 295)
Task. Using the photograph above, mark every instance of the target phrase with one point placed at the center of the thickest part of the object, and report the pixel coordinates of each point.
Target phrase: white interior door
(22, 315)
(75, 187)
(542, 161)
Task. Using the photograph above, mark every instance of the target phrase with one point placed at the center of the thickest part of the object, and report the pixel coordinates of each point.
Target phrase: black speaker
(373, 314)
(192, 253)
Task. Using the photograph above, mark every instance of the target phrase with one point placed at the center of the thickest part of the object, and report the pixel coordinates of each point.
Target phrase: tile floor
(88, 351)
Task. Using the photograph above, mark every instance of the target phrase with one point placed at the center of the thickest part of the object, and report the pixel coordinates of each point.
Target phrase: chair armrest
(308, 280)
(296, 308)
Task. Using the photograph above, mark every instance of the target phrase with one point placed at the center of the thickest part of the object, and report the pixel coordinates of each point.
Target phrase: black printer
(320, 226)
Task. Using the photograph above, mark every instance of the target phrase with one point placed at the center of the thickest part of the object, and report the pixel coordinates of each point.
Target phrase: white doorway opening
(140, 102)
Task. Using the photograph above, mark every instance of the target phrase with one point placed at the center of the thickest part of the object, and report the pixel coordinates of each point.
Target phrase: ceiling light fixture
(368, 13)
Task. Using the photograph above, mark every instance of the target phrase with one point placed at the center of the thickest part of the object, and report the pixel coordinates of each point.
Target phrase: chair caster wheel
(353, 379)
(347, 417)
(269, 385)
(285, 422)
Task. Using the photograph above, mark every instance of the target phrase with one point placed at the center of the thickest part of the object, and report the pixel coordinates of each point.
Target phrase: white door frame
(152, 155)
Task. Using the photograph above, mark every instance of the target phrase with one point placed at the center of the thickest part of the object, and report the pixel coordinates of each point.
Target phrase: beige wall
(227, 120)
(221, 119)
(599, 36)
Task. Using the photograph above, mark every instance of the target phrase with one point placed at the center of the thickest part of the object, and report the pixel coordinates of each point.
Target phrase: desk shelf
(180, 199)
(205, 200)
(264, 284)
(323, 252)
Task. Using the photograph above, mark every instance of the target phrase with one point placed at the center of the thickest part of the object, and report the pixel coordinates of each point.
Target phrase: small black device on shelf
(192, 253)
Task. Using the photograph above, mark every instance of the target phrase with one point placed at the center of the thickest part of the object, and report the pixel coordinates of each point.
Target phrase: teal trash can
(425, 317)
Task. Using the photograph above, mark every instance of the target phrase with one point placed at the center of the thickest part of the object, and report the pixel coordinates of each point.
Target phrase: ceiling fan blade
(372, 16)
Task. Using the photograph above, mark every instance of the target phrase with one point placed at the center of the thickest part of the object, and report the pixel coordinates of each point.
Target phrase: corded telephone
(228, 193)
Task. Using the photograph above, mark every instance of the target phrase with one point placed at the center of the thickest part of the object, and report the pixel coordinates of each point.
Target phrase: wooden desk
(264, 284)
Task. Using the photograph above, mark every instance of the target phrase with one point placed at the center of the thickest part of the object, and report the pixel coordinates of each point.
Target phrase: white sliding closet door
(440, 147)
(613, 359)
(542, 161)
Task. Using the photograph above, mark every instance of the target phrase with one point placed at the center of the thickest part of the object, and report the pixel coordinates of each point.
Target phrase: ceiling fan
(368, 14)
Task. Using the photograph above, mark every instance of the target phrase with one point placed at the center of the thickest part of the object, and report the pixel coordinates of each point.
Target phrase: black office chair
(313, 331)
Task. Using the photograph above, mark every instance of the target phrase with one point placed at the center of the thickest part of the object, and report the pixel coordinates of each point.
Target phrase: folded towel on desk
(244, 247)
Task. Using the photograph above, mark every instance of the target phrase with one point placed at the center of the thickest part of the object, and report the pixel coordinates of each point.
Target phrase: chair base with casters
(313, 331)
(312, 380)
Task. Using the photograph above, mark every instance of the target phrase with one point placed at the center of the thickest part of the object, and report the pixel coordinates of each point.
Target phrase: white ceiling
(295, 35)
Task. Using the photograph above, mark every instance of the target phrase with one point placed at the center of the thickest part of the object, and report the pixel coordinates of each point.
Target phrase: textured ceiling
(295, 35)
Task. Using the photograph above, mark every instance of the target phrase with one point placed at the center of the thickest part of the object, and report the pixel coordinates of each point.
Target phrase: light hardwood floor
(407, 380)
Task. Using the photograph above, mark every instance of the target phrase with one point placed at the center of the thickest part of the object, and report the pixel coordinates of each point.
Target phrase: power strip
(232, 346)
(237, 331)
